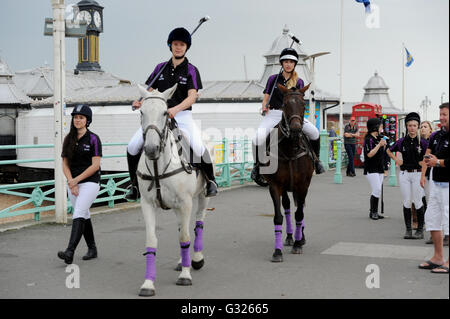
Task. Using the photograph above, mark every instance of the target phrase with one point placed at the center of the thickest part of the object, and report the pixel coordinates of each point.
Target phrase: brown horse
(294, 171)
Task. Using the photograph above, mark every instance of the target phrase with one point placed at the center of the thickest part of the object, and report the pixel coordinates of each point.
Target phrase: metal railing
(231, 165)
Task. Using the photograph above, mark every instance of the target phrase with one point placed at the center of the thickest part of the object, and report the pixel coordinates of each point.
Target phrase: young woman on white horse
(179, 71)
(162, 177)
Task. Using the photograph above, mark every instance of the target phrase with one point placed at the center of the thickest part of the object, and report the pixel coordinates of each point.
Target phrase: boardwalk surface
(238, 239)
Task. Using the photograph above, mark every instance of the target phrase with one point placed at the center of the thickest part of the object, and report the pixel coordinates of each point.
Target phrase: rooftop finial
(285, 29)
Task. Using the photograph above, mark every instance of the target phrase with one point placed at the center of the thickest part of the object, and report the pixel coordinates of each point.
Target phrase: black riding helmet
(179, 34)
(289, 54)
(85, 110)
(373, 125)
(413, 116)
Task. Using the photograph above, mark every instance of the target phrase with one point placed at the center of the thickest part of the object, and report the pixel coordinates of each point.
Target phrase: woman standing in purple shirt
(412, 147)
(374, 150)
(82, 151)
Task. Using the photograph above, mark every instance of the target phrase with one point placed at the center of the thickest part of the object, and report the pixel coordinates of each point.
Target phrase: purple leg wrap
(289, 229)
(198, 243)
(185, 257)
(278, 234)
(150, 270)
(298, 230)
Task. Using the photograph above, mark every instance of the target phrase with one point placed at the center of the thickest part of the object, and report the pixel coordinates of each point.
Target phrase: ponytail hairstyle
(70, 142)
(292, 83)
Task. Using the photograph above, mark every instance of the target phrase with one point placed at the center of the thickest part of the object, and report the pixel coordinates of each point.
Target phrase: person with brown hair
(82, 152)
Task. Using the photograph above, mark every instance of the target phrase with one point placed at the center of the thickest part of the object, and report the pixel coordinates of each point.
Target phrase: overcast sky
(135, 34)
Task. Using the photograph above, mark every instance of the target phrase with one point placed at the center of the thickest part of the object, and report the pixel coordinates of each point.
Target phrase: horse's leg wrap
(278, 235)
(198, 243)
(150, 271)
(185, 257)
(287, 214)
(299, 230)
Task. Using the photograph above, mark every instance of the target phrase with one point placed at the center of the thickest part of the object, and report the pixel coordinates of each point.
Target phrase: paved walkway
(342, 244)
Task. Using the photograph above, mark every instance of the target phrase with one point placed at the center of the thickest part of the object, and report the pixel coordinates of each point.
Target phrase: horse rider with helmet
(179, 71)
(273, 113)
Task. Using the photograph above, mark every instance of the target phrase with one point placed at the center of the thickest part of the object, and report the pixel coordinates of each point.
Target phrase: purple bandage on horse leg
(185, 257)
(299, 230)
(150, 270)
(198, 243)
(287, 214)
(278, 235)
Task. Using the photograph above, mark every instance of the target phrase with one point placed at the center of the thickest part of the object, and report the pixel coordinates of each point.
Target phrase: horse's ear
(305, 88)
(143, 91)
(167, 94)
(282, 88)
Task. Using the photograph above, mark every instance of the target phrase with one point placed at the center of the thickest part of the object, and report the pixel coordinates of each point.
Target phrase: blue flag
(409, 58)
(366, 4)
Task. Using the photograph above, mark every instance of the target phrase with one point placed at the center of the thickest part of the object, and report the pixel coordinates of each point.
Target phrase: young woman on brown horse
(295, 167)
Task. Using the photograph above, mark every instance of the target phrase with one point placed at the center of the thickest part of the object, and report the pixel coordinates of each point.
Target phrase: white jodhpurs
(272, 118)
(410, 188)
(375, 182)
(436, 216)
(87, 193)
(185, 123)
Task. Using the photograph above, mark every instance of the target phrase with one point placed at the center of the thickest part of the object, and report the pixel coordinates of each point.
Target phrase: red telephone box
(363, 112)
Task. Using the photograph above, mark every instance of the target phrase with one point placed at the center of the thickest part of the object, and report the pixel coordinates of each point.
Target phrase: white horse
(165, 184)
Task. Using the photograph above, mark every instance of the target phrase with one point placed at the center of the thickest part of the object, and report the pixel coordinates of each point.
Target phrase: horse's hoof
(297, 250)
(197, 264)
(289, 240)
(277, 256)
(145, 292)
(178, 267)
(184, 282)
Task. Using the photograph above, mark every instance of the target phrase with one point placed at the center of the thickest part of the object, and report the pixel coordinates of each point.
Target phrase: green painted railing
(233, 166)
(232, 161)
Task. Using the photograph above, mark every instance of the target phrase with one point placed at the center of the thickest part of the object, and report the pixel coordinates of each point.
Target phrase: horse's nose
(152, 151)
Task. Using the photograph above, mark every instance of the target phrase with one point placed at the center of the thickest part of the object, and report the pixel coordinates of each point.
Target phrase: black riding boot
(208, 169)
(420, 223)
(90, 242)
(407, 217)
(75, 236)
(317, 163)
(373, 208)
(255, 175)
(133, 161)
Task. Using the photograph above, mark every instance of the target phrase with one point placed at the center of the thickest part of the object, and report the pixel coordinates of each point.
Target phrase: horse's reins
(155, 180)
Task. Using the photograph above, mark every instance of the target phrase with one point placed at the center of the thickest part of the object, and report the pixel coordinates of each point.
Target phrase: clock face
(84, 15)
(97, 19)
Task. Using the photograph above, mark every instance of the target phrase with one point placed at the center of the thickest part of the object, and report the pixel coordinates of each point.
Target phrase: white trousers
(87, 193)
(272, 118)
(411, 190)
(375, 182)
(185, 123)
(436, 216)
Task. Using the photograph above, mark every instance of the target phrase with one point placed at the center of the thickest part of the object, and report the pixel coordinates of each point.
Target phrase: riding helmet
(85, 110)
(179, 34)
(373, 124)
(289, 54)
(413, 116)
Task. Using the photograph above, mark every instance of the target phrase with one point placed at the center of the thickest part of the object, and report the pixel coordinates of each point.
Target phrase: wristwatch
(438, 163)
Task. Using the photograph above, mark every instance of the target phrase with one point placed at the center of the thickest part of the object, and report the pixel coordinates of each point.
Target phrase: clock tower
(88, 47)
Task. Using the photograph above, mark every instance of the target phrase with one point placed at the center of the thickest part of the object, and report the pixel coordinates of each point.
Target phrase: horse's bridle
(286, 122)
(165, 130)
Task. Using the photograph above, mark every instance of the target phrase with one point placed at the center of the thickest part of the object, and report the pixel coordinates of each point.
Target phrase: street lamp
(312, 107)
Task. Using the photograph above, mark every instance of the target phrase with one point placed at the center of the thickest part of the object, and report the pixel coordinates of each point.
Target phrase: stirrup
(132, 194)
(211, 191)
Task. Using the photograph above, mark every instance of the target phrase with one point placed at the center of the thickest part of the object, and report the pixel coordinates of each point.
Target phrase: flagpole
(403, 77)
